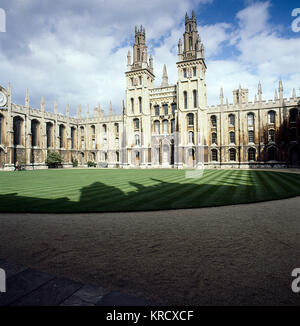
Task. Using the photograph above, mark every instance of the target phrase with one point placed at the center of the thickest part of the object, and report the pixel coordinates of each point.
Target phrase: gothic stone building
(168, 126)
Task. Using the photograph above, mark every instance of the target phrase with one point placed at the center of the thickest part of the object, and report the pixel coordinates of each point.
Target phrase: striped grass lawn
(96, 190)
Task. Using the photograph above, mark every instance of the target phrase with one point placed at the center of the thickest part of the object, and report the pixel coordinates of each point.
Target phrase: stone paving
(28, 287)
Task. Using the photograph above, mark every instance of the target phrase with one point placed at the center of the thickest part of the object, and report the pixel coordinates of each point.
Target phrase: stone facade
(170, 126)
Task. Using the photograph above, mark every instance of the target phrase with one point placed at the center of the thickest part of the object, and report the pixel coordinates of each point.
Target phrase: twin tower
(153, 115)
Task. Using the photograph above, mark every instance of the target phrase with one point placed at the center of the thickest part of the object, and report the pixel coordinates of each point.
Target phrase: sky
(75, 51)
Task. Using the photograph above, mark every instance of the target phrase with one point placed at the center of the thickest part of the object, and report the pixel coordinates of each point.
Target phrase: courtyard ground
(233, 255)
(104, 190)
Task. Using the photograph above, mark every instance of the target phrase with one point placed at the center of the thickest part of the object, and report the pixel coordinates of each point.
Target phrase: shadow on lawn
(99, 197)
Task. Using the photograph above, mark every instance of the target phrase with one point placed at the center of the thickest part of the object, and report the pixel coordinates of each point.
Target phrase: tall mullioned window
(251, 154)
(251, 136)
(232, 154)
(140, 105)
(136, 123)
(190, 119)
(195, 98)
(166, 109)
(157, 127)
(185, 100)
(271, 117)
(174, 108)
(232, 120)
(250, 119)
(214, 138)
(214, 155)
(156, 108)
(165, 126)
(232, 137)
(132, 105)
(213, 120)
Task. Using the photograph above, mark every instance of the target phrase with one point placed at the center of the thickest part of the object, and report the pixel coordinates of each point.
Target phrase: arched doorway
(166, 154)
(272, 154)
(137, 158)
(295, 156)
(82, 158)
(191, 157)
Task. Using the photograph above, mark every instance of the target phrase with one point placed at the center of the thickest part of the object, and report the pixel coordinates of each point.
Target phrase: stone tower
(140, 80)
(191, 91)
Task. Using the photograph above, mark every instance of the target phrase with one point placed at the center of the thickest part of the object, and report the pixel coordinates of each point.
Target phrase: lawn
(95, 190)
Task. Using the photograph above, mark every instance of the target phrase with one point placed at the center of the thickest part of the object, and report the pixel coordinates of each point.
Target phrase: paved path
(28, 287)
(233, 255)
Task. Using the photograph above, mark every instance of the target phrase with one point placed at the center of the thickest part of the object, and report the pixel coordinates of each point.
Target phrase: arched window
(184, 73)
(190, 117)
(18, 126)
(190, 44)
(116, 128)
(105, 157)
(157, 127)
(191, 137)
(105, 142)
(213, 120)
(61, 136)
(117, 141)
(140, 105)
(156, 108)
(232, 137)
(185, 100)
(250, 119)
(1, 127)
(174, 108)
(232, 154)
(271, 117)
(195, 98)
(104, 129)
(271, 135)
(250, 136)
(166, 109)
(293, 134)
(118, 156)
(172, 126)
(138, 55)
(251, 154)
(132, 105)
(34, 133)
(293, 115)
(272, 154)
(214, 138)
(49, 128)
(232, 120)
(136, 123)
(137, 140)
(166, 126)
(214, 155)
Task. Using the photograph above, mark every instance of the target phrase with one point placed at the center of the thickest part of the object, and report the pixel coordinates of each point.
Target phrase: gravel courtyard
(233, 255)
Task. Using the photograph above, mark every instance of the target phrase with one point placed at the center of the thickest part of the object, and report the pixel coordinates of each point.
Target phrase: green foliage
(91, 164)
(74, 162)
(53, 159)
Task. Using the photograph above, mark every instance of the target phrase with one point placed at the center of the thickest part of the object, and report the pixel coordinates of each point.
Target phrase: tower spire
(165, 82)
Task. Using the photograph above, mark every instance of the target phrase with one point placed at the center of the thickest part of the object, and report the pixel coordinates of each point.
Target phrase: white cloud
(75, 51)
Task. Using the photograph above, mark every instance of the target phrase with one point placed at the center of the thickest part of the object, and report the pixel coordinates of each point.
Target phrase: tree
(53, 159)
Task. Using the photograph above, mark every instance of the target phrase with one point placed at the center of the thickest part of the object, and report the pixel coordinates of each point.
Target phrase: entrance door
(137, 158)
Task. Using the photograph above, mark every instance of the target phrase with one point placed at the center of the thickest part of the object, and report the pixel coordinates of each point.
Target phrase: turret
(165, 82)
